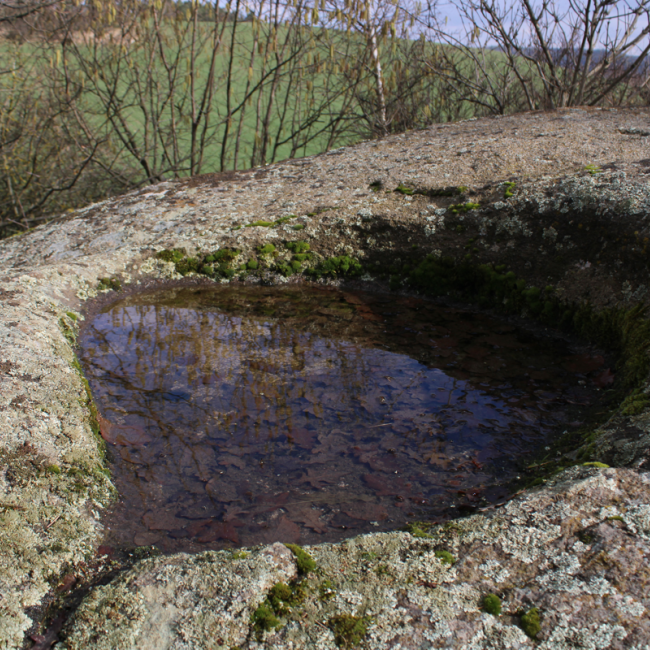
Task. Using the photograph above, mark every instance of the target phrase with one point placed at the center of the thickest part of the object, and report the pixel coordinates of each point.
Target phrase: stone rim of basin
(55, 473)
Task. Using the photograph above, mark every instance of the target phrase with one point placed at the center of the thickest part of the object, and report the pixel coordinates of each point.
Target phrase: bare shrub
(100, 97)
(544, 54)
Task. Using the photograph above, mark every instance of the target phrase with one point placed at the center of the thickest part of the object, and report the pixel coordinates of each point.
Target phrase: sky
(455, 23)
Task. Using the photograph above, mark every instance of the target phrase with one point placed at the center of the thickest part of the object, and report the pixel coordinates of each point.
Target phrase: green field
(109, 111)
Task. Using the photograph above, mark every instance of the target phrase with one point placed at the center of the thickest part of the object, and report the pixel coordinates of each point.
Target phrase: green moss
(72, 316)
(278, 603)
(53, 469)
(283, 597)
(188, 265)
(376, 186)
(595, 464)
(326, 590)
(382, 570)
(625, 331)
(337, 266)
(509, 189)
(297, 247)
(402, 189)
(280, 593)
(530, 622)
(239, 555)
(171, 255)
(634, 403)
(298, 226)
(110, 284)
(270, 224)
(260, 224)
(348, 630)
(443, 191)
(615, 518)
(214, 265)
(452, 526)
(593, 169)
(281, 220)
(304, 561)
(68, 331)
(264, 619)
(492, 604)
(252, 265)
(585, 536)
(446, 557)
(284, 269)
(221, 256)
(459, 208)
(89, 404)
(267, 249)
(416, 529)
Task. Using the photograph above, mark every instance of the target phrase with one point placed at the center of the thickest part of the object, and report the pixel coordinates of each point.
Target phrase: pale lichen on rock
(576, 550)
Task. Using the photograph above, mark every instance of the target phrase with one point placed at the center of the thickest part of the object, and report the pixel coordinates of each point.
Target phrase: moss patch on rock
(279, 604)
(304, 561)
(445, 557)
(342, 266)
(109, 284)
(492, 604)
(217, 264)
(348, 630)
(530, 623)
(626, 331)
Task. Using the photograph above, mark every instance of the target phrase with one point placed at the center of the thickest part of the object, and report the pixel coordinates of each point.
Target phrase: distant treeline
(101, 96)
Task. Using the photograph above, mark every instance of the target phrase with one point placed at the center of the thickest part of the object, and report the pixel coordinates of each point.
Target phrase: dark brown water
(239, 416)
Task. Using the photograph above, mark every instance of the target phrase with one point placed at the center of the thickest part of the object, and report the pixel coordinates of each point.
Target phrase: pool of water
(240, 416)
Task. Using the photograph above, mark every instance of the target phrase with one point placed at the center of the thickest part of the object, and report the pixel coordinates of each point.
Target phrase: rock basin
(575, 548)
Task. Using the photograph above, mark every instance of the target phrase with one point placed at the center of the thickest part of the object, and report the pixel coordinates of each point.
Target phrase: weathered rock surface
(182, 601)
(573, 550)
(585, 232)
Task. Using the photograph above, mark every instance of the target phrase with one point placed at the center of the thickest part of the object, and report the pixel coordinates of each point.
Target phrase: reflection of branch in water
(154, 338)
(450, 394)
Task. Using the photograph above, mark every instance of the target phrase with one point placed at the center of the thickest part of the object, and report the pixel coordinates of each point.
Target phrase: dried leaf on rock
(221, 490)
(302, 437)
(281, 530)
(317, 478)
(227, 460)
(116, 434)
(604, 379)
(163, 519)
(583, 363)
(305, 514)
(365, 510)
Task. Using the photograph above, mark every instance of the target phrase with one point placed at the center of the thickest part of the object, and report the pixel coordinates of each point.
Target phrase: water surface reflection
(250, 415)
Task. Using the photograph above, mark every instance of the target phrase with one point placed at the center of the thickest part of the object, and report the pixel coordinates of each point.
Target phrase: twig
(12, 506)
(548, 462)
(53, 522)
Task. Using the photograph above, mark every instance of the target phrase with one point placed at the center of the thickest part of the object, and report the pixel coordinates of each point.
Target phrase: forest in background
(101, 97)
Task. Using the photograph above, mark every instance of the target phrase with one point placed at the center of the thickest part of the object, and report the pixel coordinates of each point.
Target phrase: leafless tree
(547, 54)
(96, 98)
(12, 11)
